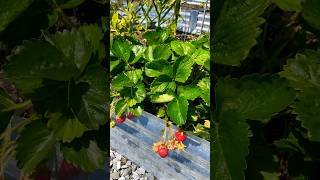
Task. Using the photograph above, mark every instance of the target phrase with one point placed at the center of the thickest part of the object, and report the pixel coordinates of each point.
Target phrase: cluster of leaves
(128, 16)
(266, 123)
(57, 69)
(162, 75)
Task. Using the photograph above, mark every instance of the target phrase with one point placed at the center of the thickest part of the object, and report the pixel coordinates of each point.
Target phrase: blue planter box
(134, 139)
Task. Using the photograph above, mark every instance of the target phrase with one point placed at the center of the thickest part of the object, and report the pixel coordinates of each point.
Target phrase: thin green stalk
(158, 13)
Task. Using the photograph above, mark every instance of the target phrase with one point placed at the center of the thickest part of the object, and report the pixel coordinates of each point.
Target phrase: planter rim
(139, 134)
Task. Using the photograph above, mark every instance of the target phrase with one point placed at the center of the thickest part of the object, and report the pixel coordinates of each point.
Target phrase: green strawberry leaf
(162, 97)
(5, 101)
(182, 48)
(236, 30)
(162, 84)
(121, 107)
(289, 145)
(311, 13)
(121, 81)
(183, 68)
(7, 108)
(201, 40)
(70, 4)
(308, 107)
(114, 64)
(190, 92)
(64, 128)
(230, 138)
(17, 19)
(177, 110)
(77, 45)
(134, 75)
(200, 56)
(304, 75)
(9, 10)
(138, 51)
(304, 70)
(34, 144)
(161, 52)
(157, 68)
(88, 158)
(202, 132)
(207, 65)
(92, 112)
(5, 116)
(38, 60)
(135, 94)
(255, 97)
(93, 35)
(148, 53)
(204, 85)
(121, 48)
(137, 111)
(156, 37)
(289, 5)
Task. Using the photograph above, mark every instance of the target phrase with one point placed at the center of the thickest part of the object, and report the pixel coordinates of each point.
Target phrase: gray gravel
(123, 169)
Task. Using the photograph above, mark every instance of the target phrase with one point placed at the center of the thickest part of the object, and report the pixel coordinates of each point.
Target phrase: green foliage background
(266, 76)
(53, 52)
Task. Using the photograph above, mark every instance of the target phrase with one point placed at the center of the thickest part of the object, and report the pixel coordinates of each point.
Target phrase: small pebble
(123, 169)
(118, 156)
(118, 165)
(135, 176)
(124, 166)
(115, 175)
(134, 167)
(140, 171)
(150, 177)
(128, 163)
(123, 160)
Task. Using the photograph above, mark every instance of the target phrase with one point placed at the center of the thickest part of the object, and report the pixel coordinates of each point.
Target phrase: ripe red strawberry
(121, 119)
(130, 115)
(163, 151)
(181, 136)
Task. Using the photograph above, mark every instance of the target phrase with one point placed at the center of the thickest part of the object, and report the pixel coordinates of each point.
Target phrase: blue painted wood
(134, 139)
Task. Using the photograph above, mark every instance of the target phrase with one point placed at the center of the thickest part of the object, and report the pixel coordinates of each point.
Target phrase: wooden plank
(134, 139)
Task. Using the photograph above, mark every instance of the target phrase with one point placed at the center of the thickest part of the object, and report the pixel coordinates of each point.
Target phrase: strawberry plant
(164, 76)
(53, 84)
(266, 78)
